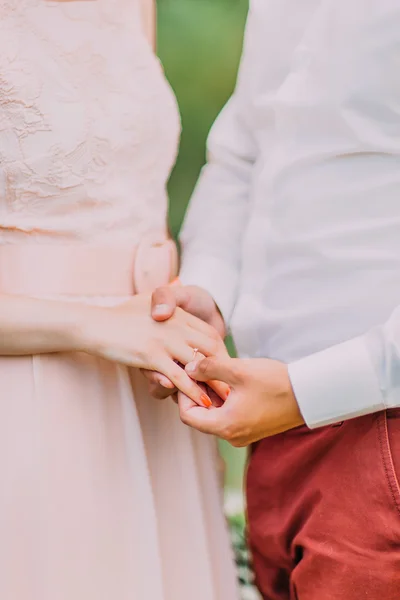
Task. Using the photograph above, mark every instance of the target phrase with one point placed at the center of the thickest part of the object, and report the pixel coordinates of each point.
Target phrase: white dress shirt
(294, 227)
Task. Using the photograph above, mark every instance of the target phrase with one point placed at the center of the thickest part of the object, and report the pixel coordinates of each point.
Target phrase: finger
(182, 352)
(158, 379)
(196, 323)
(182, 381)
(206, 421)
(208, 369)
(160, 393)
(164, 301)
(182, 346)
(160, 387)
(214, 397)
(208, 345)
(219, 387)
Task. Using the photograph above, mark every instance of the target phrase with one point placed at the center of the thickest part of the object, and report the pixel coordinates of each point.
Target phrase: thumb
(221, 369)
(164, 301)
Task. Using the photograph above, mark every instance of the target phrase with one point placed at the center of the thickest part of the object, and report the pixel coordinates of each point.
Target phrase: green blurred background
(199, 43)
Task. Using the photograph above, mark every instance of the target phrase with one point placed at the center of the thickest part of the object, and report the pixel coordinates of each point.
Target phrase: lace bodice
(88, 125)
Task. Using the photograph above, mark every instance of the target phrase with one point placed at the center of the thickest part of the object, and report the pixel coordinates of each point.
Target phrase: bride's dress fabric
(105, 495)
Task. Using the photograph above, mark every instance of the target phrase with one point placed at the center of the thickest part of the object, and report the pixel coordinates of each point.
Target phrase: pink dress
(105, 495)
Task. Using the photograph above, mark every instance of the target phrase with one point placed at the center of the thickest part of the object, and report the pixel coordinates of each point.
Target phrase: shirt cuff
(216, 277)
(336, 384)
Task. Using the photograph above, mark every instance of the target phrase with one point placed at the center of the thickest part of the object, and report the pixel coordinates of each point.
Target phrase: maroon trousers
(324, 511)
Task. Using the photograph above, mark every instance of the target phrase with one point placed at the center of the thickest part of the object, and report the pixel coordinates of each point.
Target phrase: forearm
(33, 326)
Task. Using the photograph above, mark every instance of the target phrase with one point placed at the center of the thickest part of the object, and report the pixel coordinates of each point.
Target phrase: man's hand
(261, 402)
(192, 299)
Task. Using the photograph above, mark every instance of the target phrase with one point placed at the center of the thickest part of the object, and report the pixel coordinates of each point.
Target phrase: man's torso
(321, 251)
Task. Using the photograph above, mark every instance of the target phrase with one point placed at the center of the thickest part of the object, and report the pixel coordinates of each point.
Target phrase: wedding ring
(195, 351)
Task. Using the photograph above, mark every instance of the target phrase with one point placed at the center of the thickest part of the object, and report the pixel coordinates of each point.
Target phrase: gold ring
(195, 351)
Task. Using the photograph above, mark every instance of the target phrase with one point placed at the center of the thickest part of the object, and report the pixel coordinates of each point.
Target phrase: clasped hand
(261, 402)
(127, 334)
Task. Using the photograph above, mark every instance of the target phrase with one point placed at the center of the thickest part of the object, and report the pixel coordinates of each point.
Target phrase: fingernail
(206, 400)
(190, 367)
(225, 391)
(161, 309)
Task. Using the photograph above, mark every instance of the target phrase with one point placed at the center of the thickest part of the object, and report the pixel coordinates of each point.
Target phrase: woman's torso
(88, 125)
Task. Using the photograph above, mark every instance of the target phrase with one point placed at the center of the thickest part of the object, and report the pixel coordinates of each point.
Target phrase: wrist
(84, 328)
(56, 326)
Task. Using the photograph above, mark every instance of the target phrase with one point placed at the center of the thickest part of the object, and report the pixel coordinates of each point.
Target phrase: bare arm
(125, 333)
(32, 326)
(149, 20)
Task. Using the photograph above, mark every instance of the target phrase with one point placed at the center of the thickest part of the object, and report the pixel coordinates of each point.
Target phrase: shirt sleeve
(354, 378)
(219, 208)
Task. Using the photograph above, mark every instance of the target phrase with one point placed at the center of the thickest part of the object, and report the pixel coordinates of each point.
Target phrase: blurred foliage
(199, 43)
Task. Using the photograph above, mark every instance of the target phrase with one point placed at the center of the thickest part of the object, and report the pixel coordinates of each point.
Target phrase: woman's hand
(195, 301)
(128, 334)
